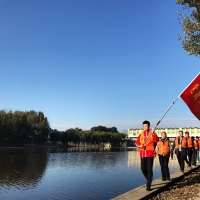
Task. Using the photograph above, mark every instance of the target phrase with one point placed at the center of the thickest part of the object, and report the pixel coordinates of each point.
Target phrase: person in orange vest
(146, 142)
(164, 152)
(179, 150)
(195, 150)
(198, 155)
(188, 144)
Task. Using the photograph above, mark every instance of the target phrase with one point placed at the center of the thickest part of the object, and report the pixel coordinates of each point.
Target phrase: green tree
(54, 137)
(18, 128)
(42, 129)
(190, 26)
(99, 128)
(113, 130)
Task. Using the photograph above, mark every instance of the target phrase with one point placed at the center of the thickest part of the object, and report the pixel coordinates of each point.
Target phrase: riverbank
(184, 187)
(187, 188)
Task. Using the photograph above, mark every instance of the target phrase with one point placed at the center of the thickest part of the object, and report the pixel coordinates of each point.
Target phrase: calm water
(47, 174)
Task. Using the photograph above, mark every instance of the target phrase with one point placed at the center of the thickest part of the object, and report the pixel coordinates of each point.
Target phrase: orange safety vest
(149, 143)
(199, 142)
(187, 143)
(196, 145)
(163, 149)
(176, 143)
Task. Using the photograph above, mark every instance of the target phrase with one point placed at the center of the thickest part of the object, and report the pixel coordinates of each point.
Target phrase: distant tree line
(95, 136)
(18, 128)
(30, 127)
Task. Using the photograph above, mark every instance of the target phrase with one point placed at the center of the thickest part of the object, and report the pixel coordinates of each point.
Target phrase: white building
(171, 132)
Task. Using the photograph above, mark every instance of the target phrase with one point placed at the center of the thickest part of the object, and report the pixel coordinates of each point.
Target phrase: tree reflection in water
(22, 167)
(73, 173)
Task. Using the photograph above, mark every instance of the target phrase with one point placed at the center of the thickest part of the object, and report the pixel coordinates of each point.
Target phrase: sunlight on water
(51, 174)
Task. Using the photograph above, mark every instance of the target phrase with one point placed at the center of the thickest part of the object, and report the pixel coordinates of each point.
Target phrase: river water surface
(50, 174)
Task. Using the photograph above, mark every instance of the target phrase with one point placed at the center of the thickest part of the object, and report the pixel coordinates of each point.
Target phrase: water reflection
(94, 160)
(22, 168)
(134, 160)
(49, 174)
(80, 149)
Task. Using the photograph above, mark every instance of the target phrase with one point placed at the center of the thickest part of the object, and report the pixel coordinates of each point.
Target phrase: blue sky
(86, 63)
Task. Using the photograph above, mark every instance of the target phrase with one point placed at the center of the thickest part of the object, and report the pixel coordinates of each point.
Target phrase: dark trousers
(188, 158)
(194, 157)
(164, 166)
(181, 159)
(147, 169)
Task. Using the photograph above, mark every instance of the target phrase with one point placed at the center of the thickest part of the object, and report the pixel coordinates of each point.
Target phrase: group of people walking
(185, 147)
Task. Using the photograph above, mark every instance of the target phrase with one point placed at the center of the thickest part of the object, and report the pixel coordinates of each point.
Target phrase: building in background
(171, 133)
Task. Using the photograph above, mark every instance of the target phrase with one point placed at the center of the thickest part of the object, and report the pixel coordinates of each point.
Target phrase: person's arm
(193, 144)
(137, 143)
(155, 140)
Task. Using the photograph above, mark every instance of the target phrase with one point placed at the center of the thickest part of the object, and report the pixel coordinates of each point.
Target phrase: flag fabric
(191, 96)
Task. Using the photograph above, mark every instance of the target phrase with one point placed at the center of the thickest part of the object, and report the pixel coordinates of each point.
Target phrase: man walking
(188, 144)
(146, 142)
(195, 151)
(179, 151)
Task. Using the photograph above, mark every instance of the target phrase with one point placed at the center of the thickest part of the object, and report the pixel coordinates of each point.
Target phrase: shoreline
(163, 189)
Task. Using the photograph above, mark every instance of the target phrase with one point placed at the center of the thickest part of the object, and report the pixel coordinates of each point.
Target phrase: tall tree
(190, 21)
(18, 128)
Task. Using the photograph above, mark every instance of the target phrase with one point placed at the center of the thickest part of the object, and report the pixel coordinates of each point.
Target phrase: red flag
(191, 96)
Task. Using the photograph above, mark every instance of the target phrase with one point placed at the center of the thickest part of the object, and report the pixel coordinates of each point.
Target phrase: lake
(53, 173)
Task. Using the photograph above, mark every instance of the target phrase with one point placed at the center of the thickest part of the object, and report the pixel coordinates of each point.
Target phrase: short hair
(164, 133)
(181, 131)
(146, 122)
(186, 132)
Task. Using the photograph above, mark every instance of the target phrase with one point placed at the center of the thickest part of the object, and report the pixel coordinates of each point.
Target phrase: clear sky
(86, 63)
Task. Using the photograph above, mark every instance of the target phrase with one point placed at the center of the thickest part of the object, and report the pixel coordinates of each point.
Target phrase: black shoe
(148, 189)
(168, 179)
(163, 179)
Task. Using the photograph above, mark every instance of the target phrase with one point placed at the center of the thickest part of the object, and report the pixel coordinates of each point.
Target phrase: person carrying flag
(146, 142)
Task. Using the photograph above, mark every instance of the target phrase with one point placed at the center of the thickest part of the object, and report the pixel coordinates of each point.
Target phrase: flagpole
(174, 102)
(162, 118)
(170, 107)
(167, 111)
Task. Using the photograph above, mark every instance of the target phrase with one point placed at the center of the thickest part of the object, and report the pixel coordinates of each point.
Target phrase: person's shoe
(168, 179)
(163, 179)
(148, 189)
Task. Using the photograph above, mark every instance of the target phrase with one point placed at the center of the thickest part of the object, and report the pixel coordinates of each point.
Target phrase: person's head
(197, 137)
(186, 134)
(146, 125)
(163, 135)
(180, 133)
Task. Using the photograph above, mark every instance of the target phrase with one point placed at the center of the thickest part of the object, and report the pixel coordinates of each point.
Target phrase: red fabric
(147, 153)
(191, 96)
